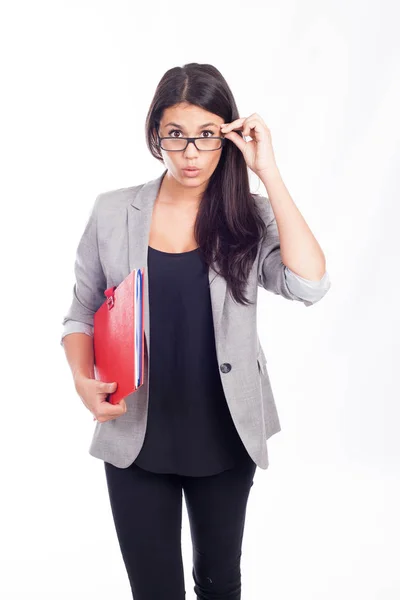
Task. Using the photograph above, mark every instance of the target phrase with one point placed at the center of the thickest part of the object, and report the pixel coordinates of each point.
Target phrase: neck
(176, 194)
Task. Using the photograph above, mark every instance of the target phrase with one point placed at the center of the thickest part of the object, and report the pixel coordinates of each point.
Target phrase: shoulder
(116, 199)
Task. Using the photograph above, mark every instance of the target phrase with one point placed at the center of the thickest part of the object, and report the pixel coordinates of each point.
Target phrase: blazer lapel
(139, 216)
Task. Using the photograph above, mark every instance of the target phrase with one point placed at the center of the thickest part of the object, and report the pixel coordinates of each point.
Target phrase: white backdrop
(77, 79)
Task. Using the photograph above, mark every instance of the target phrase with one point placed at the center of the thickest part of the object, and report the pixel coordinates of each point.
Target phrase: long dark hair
(228, 226)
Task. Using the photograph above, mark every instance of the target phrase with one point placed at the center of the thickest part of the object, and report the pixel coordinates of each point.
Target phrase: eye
(178, 131)
(208, 131)
(173, 131)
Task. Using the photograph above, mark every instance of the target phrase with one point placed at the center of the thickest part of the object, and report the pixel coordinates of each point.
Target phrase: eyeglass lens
(204, 143)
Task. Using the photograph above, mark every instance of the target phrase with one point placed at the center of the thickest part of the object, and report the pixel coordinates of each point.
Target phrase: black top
(190, 430)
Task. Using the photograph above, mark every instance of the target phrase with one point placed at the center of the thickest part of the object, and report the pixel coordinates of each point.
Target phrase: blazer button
(225, 367)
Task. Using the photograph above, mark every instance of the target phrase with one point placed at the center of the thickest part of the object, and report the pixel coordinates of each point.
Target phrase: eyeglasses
(175, 144)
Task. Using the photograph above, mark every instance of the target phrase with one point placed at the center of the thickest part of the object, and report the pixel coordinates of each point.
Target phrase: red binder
(118, 336)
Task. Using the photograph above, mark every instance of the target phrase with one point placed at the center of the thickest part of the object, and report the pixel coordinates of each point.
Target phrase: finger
(114, 409)
(236, 139)
(106, 416)
(105, 385)
(237, 123)
(122, 405)
(254, 129)
(255, 116)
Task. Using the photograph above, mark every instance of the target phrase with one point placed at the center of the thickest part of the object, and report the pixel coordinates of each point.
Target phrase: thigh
(216, 508)
(147, 513)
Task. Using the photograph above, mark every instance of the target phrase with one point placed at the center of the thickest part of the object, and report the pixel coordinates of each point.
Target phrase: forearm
(300, 250)
(80, 354)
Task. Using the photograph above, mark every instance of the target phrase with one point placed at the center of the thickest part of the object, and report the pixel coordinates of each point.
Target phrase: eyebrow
(200, 126)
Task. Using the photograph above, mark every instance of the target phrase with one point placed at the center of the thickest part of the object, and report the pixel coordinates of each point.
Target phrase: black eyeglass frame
(189, 140)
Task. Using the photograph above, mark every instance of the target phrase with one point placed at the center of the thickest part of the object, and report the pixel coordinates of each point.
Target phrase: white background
(77, 79)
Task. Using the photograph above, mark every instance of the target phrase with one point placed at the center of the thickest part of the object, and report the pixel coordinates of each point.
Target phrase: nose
(191, 150)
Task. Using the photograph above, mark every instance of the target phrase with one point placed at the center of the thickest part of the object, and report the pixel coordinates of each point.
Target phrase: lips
(191, 172)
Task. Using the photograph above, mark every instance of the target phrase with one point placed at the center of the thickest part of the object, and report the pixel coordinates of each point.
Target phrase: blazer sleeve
(307, 291)
(273, 275)
(90, 281)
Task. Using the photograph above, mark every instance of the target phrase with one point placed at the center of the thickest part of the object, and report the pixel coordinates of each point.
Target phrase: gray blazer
(114, 242)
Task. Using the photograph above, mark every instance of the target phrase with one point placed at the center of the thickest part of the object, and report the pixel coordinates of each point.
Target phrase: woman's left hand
(258, 153)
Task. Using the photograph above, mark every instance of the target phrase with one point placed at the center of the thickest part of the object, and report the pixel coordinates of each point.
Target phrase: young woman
(200, 423)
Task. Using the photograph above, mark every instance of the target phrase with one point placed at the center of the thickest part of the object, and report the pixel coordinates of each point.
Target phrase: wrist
(272, 173)
(80, 374)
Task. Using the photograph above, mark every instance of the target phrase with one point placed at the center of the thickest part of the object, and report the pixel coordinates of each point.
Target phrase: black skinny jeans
(147, 512)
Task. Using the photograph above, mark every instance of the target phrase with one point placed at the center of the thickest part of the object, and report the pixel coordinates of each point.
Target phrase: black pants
(147, 512)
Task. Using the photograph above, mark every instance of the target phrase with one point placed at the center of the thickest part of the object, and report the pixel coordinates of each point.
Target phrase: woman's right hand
(93, 394)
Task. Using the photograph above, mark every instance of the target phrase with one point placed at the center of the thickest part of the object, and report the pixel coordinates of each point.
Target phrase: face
(188, 120)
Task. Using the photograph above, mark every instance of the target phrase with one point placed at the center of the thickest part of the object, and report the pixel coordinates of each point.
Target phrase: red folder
(118, 341)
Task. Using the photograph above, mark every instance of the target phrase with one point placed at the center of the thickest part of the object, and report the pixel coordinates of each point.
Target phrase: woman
(201, 422)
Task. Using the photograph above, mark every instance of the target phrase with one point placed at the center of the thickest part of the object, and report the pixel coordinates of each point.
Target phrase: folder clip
(110, 296)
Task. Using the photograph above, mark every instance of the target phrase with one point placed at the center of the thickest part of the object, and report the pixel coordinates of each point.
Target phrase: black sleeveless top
(190, 430)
